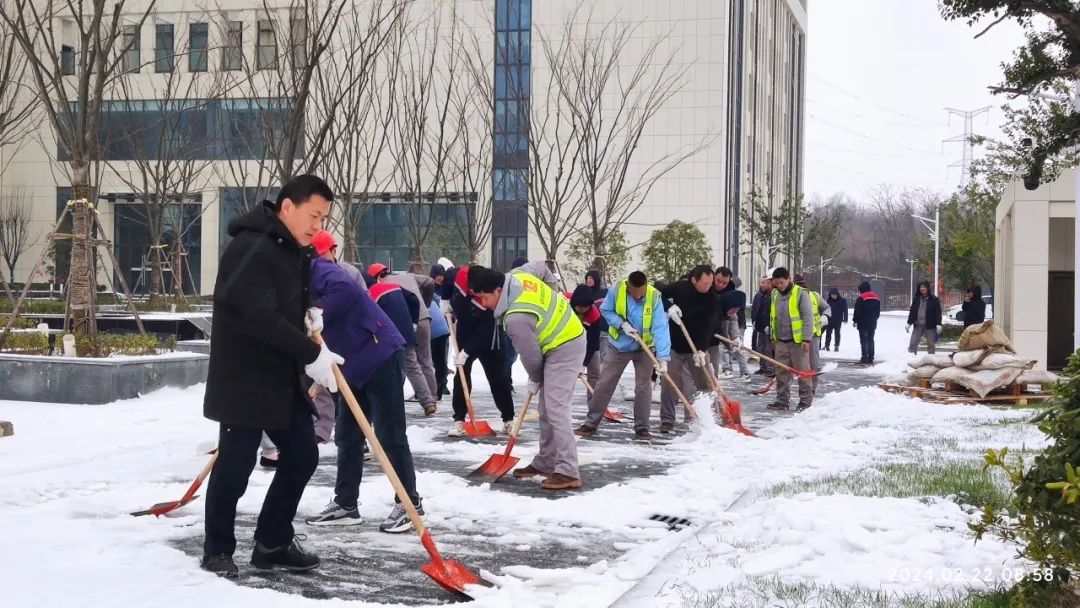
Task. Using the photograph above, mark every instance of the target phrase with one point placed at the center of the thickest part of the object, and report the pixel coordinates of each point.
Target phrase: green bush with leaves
(122, 344)
(1043, 516)
(950, 333)
(675, 249)
(27, 343)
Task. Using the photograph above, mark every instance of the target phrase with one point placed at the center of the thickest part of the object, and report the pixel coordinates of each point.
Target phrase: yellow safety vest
(816, 305)
(646, 318)
(793, 312)
(556, 323)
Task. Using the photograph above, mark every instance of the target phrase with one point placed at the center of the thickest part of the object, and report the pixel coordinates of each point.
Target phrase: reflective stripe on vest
(793, 312)
(646, 317)
(815, 303)
(556, 323)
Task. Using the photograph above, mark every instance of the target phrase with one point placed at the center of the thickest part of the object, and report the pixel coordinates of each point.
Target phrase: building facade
(742, 94)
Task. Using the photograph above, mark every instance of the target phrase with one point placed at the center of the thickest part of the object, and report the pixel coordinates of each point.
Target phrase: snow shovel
(162, 508)
(610, 414)
(766, 388)
(500, 464)
(473, 428)
(730, 410)
(449, 574)
(690, 413)
(798, 373)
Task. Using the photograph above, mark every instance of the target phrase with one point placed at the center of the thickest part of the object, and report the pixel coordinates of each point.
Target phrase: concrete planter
(194, 346)
(96, 381)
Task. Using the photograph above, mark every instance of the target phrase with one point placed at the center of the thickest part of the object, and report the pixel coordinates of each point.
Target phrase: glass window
(526, 14)
(500, 82)
(513, 14)
(164, 50)
(298, 42)
(525, 51)
(500, 49)
(130, 44)
(181, 236)
(266, 46)
(67, 60)
(232, 53)
(198, 42)
(500, 13)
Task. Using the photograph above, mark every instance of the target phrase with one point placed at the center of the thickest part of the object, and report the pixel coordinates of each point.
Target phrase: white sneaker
(458, 430)
(726, 375)
(398, 521)
(508, 427)
(745, 378)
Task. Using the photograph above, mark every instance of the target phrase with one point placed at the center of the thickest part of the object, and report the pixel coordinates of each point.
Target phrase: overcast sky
(879, 75)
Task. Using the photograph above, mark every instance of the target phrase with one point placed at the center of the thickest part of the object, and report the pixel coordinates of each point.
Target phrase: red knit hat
(323, 241)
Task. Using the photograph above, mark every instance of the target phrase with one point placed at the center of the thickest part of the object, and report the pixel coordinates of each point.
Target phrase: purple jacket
(353, 324)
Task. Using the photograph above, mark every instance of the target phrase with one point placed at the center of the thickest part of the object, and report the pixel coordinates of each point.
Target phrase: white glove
(321, 370)
(313, 320)
(414, 327)
(675, 313)
(938, 330)
(558, 277)
(460, 358)
(444, 306)
(701, 359)
(738, 342)
(533, 388)
(662, 368)
(628, 329)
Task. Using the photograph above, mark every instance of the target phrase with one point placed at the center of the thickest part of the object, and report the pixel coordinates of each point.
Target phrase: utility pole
(821, 273)
(911, 275)
(967, 139)
(935, 233)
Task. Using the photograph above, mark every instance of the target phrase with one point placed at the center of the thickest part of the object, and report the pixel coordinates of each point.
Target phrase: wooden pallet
(1014, 394)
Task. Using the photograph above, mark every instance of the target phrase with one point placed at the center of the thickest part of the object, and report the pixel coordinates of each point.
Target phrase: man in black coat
(974, 306)
(838, 304)
(691, 302)
(864, 319)
(259, 355)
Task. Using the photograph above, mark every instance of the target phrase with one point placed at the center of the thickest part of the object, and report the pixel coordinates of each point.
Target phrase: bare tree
(364, 83)
(424, 134)
(613, 98)
(19, 114)
(168, 156)
(71, 48)
(15, 237)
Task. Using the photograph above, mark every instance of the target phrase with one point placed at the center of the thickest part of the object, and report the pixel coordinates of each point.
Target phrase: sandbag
(981, 382)
(984, 335)
(924, 371)
(937, 360)
(1038, 376)
(1000, 360)
(968, 358)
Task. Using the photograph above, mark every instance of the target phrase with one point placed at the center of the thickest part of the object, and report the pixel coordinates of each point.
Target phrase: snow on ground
(71, 475)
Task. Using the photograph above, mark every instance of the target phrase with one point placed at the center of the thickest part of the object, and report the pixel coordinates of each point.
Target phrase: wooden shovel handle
(686, 402)
(803, 373)
(714, 383)
(460, 369)
(376, 447)
(521, 415)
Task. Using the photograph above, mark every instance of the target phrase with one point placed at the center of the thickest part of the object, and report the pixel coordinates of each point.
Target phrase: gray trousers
(815, 359)
(558, 446)
(415, 374)
(688, 377)
(610, 372)
(423, 354)
(715, 352)
(917, 334)
(327, 409)
(791, 354)
(593, 376)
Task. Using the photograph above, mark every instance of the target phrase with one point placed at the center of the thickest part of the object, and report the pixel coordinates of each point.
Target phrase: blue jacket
(439, 328)
(353, 325)
(635, 311)
(400, 306)
(838, 306)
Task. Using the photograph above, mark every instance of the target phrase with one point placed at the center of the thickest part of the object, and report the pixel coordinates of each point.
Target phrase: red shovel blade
(159, 509)
(734, 421)
(766, 388)
(449, 574)
(494, 468)
(478, 428)
(613, 415)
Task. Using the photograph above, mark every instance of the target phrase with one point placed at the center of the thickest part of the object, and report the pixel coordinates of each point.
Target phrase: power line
(881, 154)
(847, 112)
(868, 137)
(873, 104)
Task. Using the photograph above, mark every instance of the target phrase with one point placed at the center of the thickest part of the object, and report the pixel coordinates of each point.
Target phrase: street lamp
(935, 233)
(911, 272)
(821, 272)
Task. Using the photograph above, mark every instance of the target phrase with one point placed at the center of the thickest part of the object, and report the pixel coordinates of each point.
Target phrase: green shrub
(1043, 515)
(950, 333)
(122, 344)
(27, 343)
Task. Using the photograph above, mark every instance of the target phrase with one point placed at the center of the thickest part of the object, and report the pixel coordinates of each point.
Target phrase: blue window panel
(525, 51)
(501, 50)
(500, 116)
(500, 82)
(522, 143)
(526, 14)
(513, 48)
(501, 13)
(514, 14)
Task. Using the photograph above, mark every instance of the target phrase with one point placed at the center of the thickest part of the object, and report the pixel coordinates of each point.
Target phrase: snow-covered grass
(773, 516)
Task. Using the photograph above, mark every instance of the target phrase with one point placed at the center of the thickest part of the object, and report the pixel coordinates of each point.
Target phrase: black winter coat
(933, 311)
(698, 314)
(974, 311)
(258, 345)
(839, 311)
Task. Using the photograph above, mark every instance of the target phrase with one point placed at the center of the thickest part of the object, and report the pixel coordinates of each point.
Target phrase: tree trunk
(81, 282)
(156, 275)
(11, 296)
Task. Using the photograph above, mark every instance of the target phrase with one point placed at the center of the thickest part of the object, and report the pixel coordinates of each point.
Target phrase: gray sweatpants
(715, 352)
(423, 354)
(610, 372)
(815, 360)
(558, 446)
(791, 354)
(917, 334)
(593, 376)
(415, 374)
(688, 377)
(327, 414)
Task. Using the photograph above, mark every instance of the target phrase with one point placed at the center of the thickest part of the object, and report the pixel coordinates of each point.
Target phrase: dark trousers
(494, 363)
(383, 402)
(439, 347)
(866, 341)
(238, 449)
(830, 331)
(763, 345)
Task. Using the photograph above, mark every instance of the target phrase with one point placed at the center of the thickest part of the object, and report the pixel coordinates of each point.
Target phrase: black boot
(290, 557)
(221, 564)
